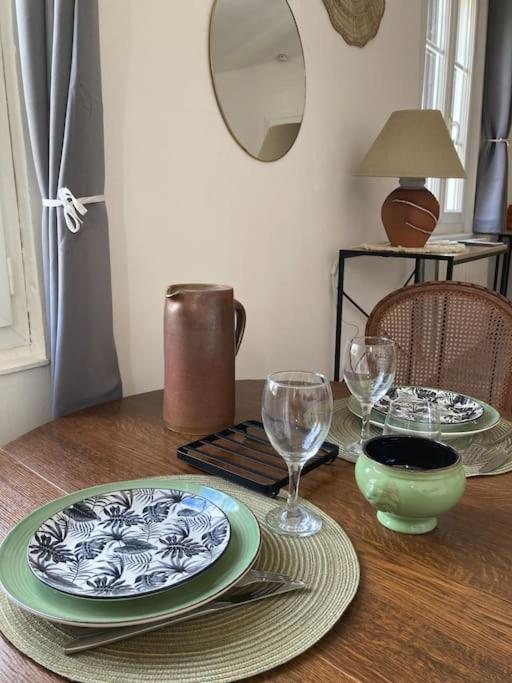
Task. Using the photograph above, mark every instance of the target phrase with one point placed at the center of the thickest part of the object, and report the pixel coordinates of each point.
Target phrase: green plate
(21, 586)
(487, 420)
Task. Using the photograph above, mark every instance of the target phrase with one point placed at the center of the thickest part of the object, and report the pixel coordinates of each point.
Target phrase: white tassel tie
(73, 207)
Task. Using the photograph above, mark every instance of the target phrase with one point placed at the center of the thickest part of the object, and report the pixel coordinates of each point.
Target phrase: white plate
(128, 543)
(454, 408)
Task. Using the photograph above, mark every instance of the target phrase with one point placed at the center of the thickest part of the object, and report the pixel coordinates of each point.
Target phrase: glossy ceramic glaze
(128, 543)
(454, 408)
(18, 582)
(409, 500)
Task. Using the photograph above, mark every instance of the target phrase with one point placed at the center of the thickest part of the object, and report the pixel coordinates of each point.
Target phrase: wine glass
(297, 413)
(369, 371)
(414, 417)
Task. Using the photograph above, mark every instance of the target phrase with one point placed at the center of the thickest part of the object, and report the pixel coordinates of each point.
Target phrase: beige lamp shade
(414, 143)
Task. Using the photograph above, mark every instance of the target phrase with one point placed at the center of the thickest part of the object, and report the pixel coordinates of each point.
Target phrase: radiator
(478, 272)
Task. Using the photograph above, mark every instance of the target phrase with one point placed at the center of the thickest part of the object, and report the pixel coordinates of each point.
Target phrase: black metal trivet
(243, 454)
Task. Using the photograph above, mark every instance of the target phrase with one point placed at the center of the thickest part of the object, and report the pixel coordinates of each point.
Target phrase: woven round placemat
(229, 646)
(346, 428)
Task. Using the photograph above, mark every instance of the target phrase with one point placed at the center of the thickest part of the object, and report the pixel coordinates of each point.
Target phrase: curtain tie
(73, 207)
(507, 142)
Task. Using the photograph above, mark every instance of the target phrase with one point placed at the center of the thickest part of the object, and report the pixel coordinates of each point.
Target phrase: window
(21, 326)
(447, 86)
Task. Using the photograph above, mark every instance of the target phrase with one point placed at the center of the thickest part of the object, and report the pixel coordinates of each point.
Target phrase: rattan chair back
(450, 335)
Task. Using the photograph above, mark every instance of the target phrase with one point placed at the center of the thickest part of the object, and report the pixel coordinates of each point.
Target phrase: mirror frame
(219, 105)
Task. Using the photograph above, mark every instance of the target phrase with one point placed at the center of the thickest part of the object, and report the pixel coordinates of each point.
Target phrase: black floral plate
(128, 543)
(454, 408)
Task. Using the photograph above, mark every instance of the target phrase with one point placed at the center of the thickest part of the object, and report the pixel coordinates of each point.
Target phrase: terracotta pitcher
(201, 340)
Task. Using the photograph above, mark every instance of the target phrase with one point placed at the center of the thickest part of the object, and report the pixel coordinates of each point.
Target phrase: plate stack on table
(464, 421)
(108, 557)
(460, 415)
(107, 577)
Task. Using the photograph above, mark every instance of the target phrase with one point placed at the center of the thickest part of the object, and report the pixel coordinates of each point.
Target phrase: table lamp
(413, 145)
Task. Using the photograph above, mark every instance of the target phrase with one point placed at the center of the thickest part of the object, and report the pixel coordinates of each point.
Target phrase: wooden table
(434, 608)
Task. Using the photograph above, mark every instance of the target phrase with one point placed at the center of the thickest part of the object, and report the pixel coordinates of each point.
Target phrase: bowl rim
(437, 470)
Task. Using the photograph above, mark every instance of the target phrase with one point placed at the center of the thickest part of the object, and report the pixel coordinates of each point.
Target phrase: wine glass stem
(294, 471)
(366, 409)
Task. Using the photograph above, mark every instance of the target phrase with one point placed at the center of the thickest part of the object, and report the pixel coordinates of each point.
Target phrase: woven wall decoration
(356, 20)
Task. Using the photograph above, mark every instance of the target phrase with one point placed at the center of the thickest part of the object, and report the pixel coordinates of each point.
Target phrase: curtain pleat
(60, 68)
(492, 176)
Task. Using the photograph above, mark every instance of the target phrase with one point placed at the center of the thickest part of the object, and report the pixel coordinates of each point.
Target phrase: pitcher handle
(239, 325)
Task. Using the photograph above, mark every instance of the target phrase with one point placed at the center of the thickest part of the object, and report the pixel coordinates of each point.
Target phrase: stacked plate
(128, 553)
(460, 415)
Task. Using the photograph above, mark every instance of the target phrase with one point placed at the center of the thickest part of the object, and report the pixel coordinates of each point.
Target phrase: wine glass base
(353, 450)
(301, 523)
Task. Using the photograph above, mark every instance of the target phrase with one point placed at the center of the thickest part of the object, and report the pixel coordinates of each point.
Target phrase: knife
(260, 591)
(494, 462)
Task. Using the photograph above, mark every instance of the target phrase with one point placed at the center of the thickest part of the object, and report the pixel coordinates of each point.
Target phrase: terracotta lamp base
(410, 215)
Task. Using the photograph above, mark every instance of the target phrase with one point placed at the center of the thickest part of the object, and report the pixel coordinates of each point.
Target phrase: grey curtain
(60, 65)
(492, 178)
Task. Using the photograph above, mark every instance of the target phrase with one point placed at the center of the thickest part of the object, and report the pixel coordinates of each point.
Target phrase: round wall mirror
(258, 73)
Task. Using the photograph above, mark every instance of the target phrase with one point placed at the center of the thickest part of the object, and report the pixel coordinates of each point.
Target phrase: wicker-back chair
(450, 335)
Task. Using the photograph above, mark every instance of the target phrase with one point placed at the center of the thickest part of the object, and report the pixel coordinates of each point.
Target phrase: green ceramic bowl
(409, 480)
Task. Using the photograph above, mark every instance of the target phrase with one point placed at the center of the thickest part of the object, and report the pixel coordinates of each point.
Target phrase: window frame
(25, 338)
(457, 223)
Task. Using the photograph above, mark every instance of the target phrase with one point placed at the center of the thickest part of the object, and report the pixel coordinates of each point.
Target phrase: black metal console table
(505, 236)
(471, 253)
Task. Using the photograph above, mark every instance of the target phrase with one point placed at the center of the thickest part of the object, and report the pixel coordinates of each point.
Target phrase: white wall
(24, 394)
(187, 204)
(24, 402)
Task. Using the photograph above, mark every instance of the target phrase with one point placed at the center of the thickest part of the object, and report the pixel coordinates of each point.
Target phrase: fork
(494, 462)
(262, 576)
(476, 451)
(262, 590)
